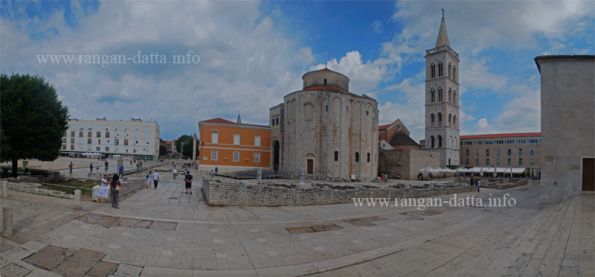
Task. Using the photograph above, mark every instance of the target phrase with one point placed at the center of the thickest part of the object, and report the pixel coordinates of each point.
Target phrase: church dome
(325, 77)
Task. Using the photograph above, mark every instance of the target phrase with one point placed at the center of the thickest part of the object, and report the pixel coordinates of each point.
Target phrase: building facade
(230, 145)
(514, 150)
(325, 130)
(442, 100)
(132, 138)
(400, 156)
(567, 125)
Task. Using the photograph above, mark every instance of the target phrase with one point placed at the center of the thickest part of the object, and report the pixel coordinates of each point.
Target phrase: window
(272, 122)
(97, 148)
(520, 161)
(488, 161)
(454, 97)
(357, 157)
(236, 139)
(440, 69)
(439, 94)
(63, 146)
(520, 152)
(433, 71)
(107, 134)
(449, 119)
(256, 157)
(449, 95)
(368, 157)
(98, 141)
(487, 152)
(107, 149)
(214, 137)
(432, 119)
(433, 95)
(214, 155)
(89, 140)
(236, 156)
(90, 134)
(439, 141)
(257, 141)
(509, 152)
(72, 133)
(449, 70)
(439, 118)
(336, 156)
(125, 141)
(71, 147)
(116, 141)
(98, 134)
(509, 162)
(432, 143)
(72, 140)
(454, 121)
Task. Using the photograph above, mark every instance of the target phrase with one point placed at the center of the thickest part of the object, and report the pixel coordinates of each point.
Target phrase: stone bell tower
(442, 99)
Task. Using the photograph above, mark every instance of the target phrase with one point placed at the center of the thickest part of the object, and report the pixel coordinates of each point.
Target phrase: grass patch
(70, 185)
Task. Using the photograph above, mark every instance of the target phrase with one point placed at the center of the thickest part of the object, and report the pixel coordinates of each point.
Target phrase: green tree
(162, 148)
(186, 151)
(32, 120)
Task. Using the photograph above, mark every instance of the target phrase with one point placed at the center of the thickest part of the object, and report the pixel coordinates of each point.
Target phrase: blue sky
(253, 53)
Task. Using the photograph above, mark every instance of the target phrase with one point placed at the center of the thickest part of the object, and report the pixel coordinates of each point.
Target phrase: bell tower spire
(442, 38)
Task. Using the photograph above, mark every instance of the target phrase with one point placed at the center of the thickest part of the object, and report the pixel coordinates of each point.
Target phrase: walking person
(188, 182)
(115, 187)
(156, 178)
(70, 166)
(478, 185)
(121, 170)
(175, 172)
(106, 165)
(150, 179)
(91, 168)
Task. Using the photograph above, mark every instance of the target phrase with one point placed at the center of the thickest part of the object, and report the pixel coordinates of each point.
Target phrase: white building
(133, 138)
(442, 100)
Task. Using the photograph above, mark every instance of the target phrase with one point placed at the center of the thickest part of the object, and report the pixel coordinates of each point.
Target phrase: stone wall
(405, 163)
(128, 187)
(220, 192)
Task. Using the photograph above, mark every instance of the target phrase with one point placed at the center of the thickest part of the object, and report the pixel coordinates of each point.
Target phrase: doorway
(276, 156)
(588, 174)
(310, 166)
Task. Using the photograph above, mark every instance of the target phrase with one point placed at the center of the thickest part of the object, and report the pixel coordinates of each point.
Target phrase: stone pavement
(165, 232)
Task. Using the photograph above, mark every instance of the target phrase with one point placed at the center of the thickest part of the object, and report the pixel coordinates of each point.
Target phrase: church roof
(402, 139)
(442, 38)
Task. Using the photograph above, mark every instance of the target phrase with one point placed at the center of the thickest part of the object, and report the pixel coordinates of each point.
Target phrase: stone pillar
(259, 174)
(4, 189)
(7, 221)
(77, 199)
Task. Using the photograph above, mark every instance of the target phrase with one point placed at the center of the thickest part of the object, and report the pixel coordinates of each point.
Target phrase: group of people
(475, 182)
(152, 179)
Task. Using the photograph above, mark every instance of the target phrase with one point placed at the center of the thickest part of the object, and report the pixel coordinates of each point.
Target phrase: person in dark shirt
(188, 181)
(115, 187)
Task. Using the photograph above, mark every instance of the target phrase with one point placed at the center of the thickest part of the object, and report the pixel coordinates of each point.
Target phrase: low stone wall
(131, 186)
(221, 192)
(35, 188)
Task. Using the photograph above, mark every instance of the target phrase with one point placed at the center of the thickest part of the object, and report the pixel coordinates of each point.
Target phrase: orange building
(234, 145)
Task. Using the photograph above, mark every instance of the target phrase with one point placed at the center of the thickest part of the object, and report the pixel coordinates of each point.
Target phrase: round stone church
(325, 131)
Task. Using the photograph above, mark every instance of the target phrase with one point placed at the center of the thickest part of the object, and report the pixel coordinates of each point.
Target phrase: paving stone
(102, 269)
(163, 225)
(48, 257)
(128, 222)
(13, 270)
(128, 270)
(78, 263)
(143, 224)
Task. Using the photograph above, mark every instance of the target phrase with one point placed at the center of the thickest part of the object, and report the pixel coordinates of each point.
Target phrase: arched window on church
(454, 121)
(439, 141)
(432, 119)
(432, 142)
(449, 70)
(439, 119)
(454, 73)
(433, 95)
(449, 119)
(357, 157)
(432, 71)
(439, 94)
(449, 95)
(454, 97)
(440, 69)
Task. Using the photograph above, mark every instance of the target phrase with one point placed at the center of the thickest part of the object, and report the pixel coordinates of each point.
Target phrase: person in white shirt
(156, 178)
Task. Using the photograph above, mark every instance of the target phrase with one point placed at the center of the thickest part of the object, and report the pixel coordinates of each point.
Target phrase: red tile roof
(218, 120)
(509, 135)
(383, 127)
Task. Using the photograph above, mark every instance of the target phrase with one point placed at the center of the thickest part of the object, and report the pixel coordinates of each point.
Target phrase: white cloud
(482, 123)
(411, 111)
(364, 76)
(246, 65)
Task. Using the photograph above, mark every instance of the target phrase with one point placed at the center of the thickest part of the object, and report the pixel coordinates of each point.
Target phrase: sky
(180, 62)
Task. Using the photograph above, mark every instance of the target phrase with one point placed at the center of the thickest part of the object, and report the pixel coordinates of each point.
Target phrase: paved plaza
(165, 232)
